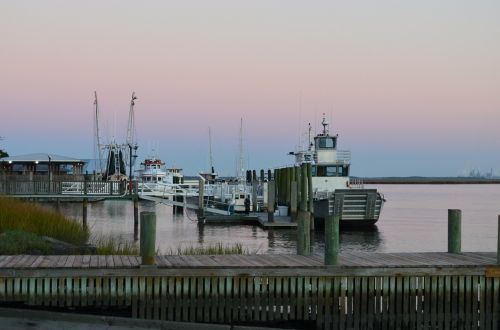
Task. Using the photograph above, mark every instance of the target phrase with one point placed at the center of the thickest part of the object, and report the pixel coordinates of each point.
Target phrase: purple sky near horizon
(412, 88)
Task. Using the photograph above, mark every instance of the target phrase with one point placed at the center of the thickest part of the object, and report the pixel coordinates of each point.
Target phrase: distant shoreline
(427, 180)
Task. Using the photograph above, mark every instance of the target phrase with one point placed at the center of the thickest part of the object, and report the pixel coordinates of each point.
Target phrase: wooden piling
(254, 195)
(271, 194)
(201, 192)
(136, 218)
(332, 235)
(289, 179)
(310, 194)
(454, 231)
(303, 218)
(297, 179)
(148, 238)
(498, 242)
(293, 201)
(84, 216)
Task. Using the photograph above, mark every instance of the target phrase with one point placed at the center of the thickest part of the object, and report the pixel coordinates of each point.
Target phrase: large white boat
(154, 173)
(331, 182)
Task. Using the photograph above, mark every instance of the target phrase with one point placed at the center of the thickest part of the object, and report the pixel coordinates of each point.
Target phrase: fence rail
(69, 188)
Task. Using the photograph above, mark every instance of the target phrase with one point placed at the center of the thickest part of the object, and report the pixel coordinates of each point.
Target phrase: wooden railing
(65, 188)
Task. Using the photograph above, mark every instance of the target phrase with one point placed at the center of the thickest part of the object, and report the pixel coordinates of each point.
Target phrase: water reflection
(413, 219)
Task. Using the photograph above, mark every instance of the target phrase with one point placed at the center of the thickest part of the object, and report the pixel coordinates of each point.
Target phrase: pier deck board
(346, 260)
(394, 290)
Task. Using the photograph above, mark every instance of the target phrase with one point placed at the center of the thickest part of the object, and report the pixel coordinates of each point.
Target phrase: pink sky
(413, 88)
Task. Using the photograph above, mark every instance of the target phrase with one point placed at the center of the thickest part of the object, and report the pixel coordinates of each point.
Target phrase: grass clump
(21, 242)
(16, 215)
(212, 249)
(113, 246)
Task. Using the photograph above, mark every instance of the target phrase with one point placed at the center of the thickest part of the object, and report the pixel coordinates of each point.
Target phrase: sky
(412, 88)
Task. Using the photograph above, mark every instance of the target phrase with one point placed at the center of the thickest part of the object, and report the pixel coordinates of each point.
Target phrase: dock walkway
(366, 290)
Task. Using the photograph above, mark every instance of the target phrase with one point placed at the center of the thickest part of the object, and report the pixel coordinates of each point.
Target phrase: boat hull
(356, 207)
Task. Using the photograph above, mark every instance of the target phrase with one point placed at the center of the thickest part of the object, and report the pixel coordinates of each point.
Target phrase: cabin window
(345, 170)
(328, 170)
(325, 143)
(242, 196)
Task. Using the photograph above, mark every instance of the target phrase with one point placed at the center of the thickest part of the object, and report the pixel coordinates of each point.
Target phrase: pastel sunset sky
(411, 87)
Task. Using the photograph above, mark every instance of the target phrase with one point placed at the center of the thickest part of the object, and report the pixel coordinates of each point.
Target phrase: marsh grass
(113, 246)
(20, 242)
(212, 249)
(33, 218)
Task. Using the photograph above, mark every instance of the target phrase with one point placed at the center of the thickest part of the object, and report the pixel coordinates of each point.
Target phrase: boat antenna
(310, 142)
(325, 125)
(241, 169)
(210, 159)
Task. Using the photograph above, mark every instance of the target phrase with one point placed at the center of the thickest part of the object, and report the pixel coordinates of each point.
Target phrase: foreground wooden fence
(321, 297)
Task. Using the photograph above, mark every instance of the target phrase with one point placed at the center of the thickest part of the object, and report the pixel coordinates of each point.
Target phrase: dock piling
(136, 218)
(454, 231)
(310, 194)
(303, 217)
(201, 188)
(271, 194)
(332, 236)
(293, 201)
(84, 213)
(254, 195)
(498, 242)
(148, 238)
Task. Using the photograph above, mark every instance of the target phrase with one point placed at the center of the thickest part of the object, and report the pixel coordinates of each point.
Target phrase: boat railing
(344, 156)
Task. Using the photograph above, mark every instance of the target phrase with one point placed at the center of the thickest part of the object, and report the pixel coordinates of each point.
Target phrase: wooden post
(310, 194)
(332, 235)
(271, 194)
(293, 202)
(289, 184)
(148, 238)
(201, 192)
(303, 218)
(84, 216)
(288, 180)
(254, 195)
(297, 179)
(454, 231)
(136, 218)
(498, 242)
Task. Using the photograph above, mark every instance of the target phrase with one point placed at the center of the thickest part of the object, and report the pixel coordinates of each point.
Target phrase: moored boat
(331, 182)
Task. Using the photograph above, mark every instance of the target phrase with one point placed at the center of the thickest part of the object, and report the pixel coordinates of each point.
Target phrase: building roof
(41, 158)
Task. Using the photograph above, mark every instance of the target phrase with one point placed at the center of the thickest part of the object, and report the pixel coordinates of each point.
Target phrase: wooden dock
(366, 290)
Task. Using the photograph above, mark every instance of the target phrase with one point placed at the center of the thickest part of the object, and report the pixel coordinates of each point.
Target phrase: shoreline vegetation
(31, 228)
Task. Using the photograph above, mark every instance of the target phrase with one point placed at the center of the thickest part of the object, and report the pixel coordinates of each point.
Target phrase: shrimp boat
(331, 183)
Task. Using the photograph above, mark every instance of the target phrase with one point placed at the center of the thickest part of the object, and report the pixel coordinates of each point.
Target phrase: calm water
(414, 219)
